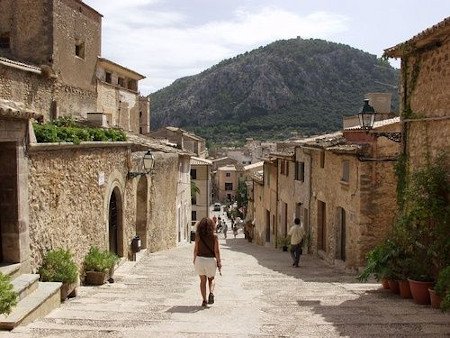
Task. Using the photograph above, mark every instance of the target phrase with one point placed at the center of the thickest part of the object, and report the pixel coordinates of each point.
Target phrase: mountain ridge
(287, 86)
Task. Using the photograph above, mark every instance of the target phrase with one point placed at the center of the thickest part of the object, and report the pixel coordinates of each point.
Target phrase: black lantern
(367, 119)
(366, 116)
(148, 163)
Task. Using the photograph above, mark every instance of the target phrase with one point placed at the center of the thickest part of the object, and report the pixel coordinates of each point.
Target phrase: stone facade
(201, 176)
(75, 196)
(183, 139)
(343, 188)
(227, 179)
(14, 219)
(70, 188)
(62, 37)
(118, 97)
(425, 93)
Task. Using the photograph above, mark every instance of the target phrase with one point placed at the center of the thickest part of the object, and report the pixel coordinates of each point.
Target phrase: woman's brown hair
(205, 227)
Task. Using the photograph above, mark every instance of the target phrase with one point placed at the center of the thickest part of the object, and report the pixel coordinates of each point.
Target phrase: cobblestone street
(259, 295)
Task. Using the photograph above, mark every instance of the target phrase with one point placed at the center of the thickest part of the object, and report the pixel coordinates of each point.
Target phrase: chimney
(381, 102)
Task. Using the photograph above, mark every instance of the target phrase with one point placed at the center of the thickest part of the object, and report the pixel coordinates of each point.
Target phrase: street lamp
(148, 161)
(366, 116)
(367, 119)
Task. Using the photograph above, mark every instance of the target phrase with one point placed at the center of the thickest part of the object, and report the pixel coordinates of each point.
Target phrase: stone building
(342, 186)
(49, 51)
(201, 176)
(73, 196)
(118, 97)
(183, 139)
(424, 94)
(227, 179)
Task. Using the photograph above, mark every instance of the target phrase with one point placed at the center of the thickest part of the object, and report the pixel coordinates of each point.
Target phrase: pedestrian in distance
(297, 233)
(224, 229)
(206, 258)
(235, 229)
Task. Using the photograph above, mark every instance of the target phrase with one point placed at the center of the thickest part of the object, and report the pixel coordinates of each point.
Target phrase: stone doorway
(142, 210)
(9, 204)
(115, 223)
(341, 235)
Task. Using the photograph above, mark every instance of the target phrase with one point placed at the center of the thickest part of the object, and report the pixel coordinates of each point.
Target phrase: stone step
(25, 284)
(36, 305)
(11, 270)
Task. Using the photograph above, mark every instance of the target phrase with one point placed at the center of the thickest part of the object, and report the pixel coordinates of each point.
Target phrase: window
(194, 199)
(79, 49)
(108, 77)
(193, 174)
(281, 167)
(322, 159)
(345, 171)
(121, 81)
(5, 41)
(300, 171)
(228, 186)
(193, 215)
(132, 85)
(227, 174)
(287, 167)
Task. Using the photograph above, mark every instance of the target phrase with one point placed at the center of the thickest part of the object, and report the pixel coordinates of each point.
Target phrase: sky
(168, 39)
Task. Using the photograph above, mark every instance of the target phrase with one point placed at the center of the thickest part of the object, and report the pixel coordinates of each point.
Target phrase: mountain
(295, 85)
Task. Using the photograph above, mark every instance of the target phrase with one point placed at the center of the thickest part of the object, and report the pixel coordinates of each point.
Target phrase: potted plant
(440, 295)
(8, 297)
(58, 266)
(98, 265)
(284, 242)
(378, 263)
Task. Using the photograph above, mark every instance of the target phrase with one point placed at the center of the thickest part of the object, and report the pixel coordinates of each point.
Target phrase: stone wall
(69, 191)
(43, 95)
(73, 24)
(120, 106)
(203, 183)
(368, 199)
(30, 25)
(430, 99)
(163, 198)
(14, 239)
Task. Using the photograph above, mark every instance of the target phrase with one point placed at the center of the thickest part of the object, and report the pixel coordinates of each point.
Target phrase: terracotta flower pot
(435, 299)
(405, 291)
(419, 291)
(95, 278)
(393, 285)
(385, 283)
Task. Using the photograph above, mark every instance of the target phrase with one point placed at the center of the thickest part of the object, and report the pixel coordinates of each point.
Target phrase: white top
(297, 233)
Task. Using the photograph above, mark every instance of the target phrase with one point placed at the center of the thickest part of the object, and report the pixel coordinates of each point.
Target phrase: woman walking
(206, 257)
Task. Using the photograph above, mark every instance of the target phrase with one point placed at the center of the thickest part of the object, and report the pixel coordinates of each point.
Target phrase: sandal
(211, 299)
(204, 303)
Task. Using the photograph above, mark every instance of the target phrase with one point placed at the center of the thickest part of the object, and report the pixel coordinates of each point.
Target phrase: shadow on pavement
(186, 309)
(340, 302)
(312, 268)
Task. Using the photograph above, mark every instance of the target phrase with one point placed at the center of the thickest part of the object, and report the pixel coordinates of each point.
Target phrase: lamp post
(367, 119)
(148, 161)
(366, 116)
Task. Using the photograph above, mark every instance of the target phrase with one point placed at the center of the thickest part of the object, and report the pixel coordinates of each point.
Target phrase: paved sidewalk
(259, 295)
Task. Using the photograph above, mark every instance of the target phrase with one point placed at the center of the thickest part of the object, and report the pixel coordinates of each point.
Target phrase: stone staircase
(36, 299)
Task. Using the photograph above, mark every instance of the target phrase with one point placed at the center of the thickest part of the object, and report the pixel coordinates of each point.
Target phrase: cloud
(164, 46)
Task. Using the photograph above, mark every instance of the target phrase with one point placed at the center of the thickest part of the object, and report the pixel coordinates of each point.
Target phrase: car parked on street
(216, 207)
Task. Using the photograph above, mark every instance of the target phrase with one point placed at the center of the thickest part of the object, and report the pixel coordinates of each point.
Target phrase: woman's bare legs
(211, 284)
(203, 287)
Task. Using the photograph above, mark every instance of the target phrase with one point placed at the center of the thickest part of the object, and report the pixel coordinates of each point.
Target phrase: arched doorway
(115, 223)
(141, 210)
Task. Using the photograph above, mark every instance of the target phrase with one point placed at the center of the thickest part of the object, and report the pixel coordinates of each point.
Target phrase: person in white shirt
(297, 233)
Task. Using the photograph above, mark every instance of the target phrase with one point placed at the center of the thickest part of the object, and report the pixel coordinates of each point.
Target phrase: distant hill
(287, 86)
